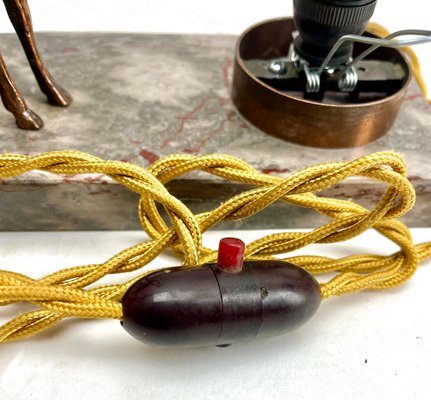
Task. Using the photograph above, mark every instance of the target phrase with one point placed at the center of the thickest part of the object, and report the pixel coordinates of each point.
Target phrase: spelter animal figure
(19, 14)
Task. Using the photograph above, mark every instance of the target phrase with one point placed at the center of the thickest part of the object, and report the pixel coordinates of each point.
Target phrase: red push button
(231, 255)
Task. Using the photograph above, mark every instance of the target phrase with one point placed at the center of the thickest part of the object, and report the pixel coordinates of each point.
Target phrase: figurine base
(138, 97)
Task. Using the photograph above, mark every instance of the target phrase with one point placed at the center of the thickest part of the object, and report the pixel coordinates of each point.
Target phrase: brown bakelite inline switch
(219, 304)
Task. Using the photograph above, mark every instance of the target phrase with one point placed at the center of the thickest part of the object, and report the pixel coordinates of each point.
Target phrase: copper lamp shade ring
(303, 121)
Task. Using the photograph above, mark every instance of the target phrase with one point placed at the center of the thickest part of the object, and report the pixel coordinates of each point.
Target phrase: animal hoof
(59, 97)
(28, 120)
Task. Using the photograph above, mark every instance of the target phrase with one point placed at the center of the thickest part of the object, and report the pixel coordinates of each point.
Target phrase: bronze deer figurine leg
(14, 102)
(19, 14)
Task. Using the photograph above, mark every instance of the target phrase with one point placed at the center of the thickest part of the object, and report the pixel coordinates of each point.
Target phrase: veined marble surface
(139, 97)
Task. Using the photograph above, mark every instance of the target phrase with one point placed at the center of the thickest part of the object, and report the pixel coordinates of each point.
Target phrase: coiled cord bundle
(64, 293)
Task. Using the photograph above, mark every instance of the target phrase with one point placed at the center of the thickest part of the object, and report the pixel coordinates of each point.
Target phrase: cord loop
(65, 294)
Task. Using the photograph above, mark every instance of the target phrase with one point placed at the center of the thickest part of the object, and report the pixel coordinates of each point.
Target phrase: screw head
(277, 67)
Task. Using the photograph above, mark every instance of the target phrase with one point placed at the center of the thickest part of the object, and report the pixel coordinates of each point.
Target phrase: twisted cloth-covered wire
(413, 59)
(64, 294)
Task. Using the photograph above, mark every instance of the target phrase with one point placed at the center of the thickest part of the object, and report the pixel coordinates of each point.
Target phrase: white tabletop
(371, 345)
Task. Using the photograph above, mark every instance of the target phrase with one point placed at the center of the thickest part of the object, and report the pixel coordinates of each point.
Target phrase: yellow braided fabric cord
(65, 293)
(381, 31)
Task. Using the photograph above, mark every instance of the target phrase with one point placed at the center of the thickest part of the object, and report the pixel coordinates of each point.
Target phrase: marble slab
(138, 97)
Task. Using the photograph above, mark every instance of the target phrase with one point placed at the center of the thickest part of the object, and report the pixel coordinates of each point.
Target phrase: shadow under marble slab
(139, 97)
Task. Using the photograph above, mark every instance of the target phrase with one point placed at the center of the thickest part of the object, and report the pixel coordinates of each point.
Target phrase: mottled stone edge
(106, 206)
